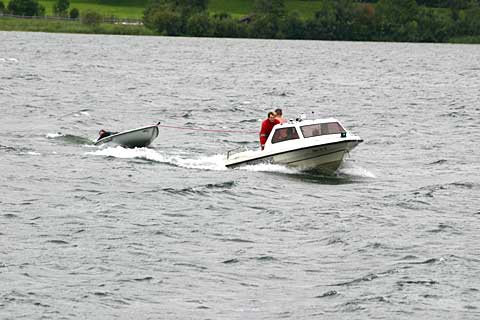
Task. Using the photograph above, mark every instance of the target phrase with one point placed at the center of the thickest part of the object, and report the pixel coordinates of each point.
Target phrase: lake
(167, 232)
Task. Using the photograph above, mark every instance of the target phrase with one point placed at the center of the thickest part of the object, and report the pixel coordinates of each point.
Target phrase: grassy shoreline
(59, 26)
(465, 40)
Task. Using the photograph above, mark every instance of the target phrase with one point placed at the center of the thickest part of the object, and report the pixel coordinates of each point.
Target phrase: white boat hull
(325, 158)
(136, 138)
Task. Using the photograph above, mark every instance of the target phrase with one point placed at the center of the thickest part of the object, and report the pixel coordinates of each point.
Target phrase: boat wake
(69, 138)
(215, 162)
(8, 60)
(265, 167)
(350, 169)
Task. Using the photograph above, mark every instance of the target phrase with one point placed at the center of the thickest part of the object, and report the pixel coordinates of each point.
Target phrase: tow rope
(202, 129)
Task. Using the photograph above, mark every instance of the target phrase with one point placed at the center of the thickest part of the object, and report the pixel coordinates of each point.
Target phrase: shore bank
(61, 26)
(119, 28)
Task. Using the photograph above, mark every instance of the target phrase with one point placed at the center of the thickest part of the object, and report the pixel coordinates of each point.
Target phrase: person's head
(271, 116)
(101, 132)
(278, 112)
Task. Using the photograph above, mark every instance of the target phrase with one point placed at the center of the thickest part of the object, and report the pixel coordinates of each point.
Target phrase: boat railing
(236, 150)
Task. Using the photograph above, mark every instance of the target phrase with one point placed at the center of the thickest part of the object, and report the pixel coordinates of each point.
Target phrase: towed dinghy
(135, 138)
(310, 145)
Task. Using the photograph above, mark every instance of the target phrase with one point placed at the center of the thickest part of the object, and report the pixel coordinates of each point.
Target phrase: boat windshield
(285, 134)
(320, 129)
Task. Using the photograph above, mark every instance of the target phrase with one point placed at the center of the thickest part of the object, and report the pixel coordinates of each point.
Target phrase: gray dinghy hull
(136, 138)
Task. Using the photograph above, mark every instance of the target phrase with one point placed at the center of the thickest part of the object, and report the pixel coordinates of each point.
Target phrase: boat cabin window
(285, 134)
(319, 129)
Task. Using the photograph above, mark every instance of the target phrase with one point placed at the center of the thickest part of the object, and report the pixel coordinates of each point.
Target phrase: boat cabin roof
(308, 121)
(305, 129)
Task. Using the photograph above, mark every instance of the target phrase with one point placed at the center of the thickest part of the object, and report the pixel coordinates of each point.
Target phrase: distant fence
(111, 19)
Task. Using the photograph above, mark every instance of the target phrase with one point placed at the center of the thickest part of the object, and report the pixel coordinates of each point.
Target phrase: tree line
(367, 20)
(383, 20)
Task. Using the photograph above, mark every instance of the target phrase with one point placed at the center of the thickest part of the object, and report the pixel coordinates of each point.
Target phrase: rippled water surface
(167, 232)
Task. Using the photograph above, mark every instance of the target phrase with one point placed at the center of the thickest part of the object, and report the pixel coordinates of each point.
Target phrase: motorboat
(135, 138)
(309, 145)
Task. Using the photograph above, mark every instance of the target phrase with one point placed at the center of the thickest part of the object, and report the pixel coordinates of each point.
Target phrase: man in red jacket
(267, 126)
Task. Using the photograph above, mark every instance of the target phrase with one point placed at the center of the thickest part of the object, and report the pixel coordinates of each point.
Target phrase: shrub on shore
(60, 7)
(91, 18)
(26, 8)
(74, 13)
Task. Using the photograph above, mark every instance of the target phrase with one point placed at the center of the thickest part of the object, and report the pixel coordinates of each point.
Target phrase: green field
(235, 7)
(134, 8)
(119, 9)
(238, 8)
